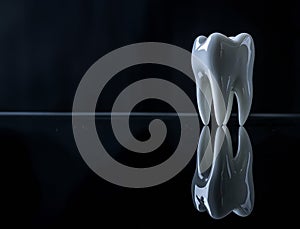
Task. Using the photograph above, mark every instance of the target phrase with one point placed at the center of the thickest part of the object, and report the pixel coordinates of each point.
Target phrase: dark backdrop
(47, 46)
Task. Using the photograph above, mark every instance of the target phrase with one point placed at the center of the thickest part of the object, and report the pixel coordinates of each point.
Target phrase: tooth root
(229, 107)
(204, 98)
(204, 152)
(220, 141)
(244, 166)
(228, 139)
(244, 96)
(219, 101)
(243, 148)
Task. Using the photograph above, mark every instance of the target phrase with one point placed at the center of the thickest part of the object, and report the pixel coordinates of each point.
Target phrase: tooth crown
(223, 183)
(223, 66)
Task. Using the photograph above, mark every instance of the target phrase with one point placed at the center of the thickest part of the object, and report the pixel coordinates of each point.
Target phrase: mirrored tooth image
(223, 182)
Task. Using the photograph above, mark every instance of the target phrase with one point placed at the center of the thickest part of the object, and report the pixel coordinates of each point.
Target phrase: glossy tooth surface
(223, 67)
(223, 183)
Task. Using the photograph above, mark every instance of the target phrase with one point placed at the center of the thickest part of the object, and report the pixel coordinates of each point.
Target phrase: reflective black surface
(46, 182)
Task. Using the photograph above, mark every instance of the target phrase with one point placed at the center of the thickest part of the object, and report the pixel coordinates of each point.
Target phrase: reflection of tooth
(223, 66)
(223, 183)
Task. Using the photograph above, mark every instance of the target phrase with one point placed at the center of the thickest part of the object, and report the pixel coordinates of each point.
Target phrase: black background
(47, 46)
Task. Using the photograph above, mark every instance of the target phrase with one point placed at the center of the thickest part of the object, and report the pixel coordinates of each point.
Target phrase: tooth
(223, 66)
(204, 96)
(204, 103)
(229, 107)
(223, 183)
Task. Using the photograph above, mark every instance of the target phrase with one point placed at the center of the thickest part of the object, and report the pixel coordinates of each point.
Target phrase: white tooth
(223, 66)
(223, 183)
(229, 107)
(204, 97)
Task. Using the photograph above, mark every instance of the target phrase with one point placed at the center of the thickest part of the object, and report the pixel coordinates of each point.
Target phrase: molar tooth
(223, 67)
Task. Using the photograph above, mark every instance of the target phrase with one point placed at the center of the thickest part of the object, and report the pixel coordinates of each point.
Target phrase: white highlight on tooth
(223, 67)
(223, 183)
